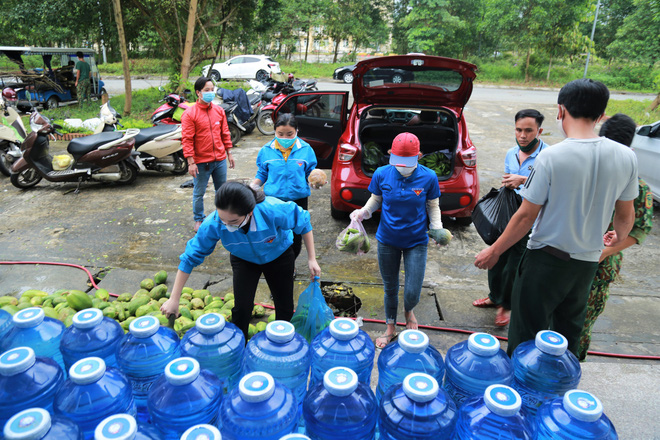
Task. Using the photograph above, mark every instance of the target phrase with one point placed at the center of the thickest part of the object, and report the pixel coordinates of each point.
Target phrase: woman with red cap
(408, 195)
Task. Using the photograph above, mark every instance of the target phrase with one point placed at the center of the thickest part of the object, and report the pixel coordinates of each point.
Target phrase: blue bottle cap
(280, 331)
(420, 387)
(16, 360)
(295, 437)
(28, 424)
(87, 370)
(582, 405)
(116, 427)
(182, 371)
(30, 317)
(87, 318)
(551, 342)
(144, 326)
(413, 341)
(256, 386)
(502, 400)
(340, 381)
(344, 329)
(210, 324)
(483, 344)
(202, 432)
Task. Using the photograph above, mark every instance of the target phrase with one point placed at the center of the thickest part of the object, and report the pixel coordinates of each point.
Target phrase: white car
(646, 145)
(259, 67)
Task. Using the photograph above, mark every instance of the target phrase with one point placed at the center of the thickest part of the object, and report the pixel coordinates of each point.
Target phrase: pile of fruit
(63, 304)
(438, 162)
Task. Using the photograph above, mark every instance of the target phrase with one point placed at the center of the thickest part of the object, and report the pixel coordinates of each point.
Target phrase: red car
(354, 142)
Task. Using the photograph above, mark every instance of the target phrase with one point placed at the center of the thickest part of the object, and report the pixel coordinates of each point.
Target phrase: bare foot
(383, 340)
(503, 317)
(411, 322)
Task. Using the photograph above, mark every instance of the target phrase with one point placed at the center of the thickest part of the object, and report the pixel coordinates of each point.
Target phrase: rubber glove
(360, 215)
(442, 236)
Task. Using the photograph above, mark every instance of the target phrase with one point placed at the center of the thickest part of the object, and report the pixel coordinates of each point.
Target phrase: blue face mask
(284, 142)
(208, 96)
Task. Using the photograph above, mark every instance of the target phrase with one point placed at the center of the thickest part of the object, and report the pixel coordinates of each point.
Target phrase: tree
(124, 55)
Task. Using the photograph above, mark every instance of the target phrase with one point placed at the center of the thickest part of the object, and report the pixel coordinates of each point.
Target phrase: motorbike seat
(83, 145)
(151, 133)
(268, 96)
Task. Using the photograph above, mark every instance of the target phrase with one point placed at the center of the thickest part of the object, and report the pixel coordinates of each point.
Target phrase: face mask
(529, 146)
(405, 171)
(284, 142)
(234, 228)
(208, 96)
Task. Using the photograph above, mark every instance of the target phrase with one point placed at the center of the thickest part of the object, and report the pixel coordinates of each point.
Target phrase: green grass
(638, 110)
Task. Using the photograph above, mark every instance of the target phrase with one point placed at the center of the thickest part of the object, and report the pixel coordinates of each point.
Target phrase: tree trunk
(529, 54)
(655, 103)
(547, 78)
(124, 56)
(334, 60)
(187, 48)
(309, 37)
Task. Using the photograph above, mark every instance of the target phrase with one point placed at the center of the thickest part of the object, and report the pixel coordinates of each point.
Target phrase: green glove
(441, 236)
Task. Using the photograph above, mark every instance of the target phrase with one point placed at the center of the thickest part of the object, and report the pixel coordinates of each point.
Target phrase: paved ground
(128, 233)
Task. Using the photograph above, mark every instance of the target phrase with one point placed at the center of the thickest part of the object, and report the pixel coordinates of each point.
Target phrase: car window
(270, 59)
(447, 80)
(318, 106)
(237, 60)
(250, 60)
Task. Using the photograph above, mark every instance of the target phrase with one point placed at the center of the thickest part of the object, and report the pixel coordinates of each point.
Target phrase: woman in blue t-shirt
(408, 195)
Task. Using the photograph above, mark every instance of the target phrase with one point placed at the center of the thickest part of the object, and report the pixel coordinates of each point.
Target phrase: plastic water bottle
(37, 424)
(342, 344)
(142, 356)
(340, 407)
(282, 353)
(27, 381)
(93, 392)
(32, 328)
(258, 408)
(202, 432)
(411, 353)
(544, 369)
(124, 427)
(418, 408)
(495, 415)
(184, 396)
(5, 324)
(295, 437)
(91, 335)
(577, 415)
(474, 365)
(218, 346)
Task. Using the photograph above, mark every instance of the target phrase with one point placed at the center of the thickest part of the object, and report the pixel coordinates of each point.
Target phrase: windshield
(446, 80)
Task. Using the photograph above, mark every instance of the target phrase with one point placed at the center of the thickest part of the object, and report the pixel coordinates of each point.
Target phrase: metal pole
(593, 31)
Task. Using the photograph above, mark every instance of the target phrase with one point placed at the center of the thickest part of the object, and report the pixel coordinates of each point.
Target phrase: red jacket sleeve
(188, 133)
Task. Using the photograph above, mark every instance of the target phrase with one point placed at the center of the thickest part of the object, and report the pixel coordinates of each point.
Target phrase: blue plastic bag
(312, 314)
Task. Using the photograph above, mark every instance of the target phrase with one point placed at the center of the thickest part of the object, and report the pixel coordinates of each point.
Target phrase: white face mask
(405, 171)
(234, 228)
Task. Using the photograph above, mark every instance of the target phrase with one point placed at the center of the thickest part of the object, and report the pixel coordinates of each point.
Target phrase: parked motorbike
(105, 157)
(170, 112)
(159, 147)
(241, 109)
(12, 132)
(265, 122)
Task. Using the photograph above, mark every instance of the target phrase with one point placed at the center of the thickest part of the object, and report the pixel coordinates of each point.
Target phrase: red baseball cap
(405, 150)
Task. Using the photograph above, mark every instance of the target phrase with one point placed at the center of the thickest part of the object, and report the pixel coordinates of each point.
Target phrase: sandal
(411, 322)
(484, 303)
(383, 340)
(502, 318)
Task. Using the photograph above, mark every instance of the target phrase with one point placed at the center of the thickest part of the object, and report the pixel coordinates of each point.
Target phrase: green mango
(258, 311)
(31, 293)
(182, 322)
(147, 284)
(208, 299)
(125, 297)
(197, 313)
(122, 315)
(61, 306)
(184, 302)
(136, 303)
(59, 300)
(162, 319)
(185, 311)
(24, 305)
(201, 294)
(102, 294)
(103, 305)
(50, 312)
(59, 292)
(162, 301)
(187, 290)
(65, 313)
(186, 296)
(143, 310)
(160, 277)
(79, 300)
(141, 292)
(214, 305)
(110, 312)
(229, 304)
(96, 302)
(197, 303)
(261, 326)
(10, 308)
(36, 300)
(68, 321)
(252, 330)
(271, 317)
(8, 300)
(158, 292)
(125, 324)
(47, 303)
(229, 297)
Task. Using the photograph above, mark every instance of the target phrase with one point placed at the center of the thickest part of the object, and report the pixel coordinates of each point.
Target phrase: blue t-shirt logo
(418, 191)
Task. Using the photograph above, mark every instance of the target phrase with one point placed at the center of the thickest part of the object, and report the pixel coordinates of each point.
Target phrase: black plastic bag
(493, 212)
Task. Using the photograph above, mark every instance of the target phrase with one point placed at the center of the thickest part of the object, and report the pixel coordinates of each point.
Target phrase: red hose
(377, 321)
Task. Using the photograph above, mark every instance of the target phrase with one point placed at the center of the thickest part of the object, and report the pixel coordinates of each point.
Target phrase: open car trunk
(437, 131)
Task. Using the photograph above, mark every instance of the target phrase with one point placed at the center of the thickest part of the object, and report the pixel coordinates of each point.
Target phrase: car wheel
(25, 179)
(235, 133)
(347, 77)
(397, 78)
(463, 221)
(215, 75)
(261, 75)
(337, 214)
(52, 102)
(265, 122)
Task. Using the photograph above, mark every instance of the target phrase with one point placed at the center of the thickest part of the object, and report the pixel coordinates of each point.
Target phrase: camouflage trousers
(83, 91)
(600, 292)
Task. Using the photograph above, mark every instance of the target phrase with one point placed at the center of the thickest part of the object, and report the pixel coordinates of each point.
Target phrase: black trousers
(502, 275)
(297, 239)
(279, 276)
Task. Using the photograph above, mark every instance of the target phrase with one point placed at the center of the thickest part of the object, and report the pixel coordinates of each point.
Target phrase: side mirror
(161, 89)
(57, 126)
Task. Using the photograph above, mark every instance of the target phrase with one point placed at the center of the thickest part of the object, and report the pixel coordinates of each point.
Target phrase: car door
(233, 68)
(646, 145)
(321, 120)
(250, 67)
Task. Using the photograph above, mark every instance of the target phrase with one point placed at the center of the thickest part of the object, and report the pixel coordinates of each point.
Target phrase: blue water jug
(183, 397)
(495, 415)
(32, 328)
(91, 335)
(5, 324)
(282, 353)
(124, 427)
(142, 356)
(258, 408)
(202, 432)
(37, 424)
(577, 415)
(474, 365)
(417, 409)
(218, 346)
(412, 353)
(27, 381)
(342, 344)
(93, 392)
(340, 407)
(544, 369)
(295, 437)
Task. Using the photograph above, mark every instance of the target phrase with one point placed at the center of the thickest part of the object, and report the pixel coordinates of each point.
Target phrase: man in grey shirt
(569, 198)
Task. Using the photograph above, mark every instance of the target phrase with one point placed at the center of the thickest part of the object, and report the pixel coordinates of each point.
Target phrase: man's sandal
(484, 303)
(383, 340)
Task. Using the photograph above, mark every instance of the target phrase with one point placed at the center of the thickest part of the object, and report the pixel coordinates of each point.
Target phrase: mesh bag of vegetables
(353, 239)
(312, 313)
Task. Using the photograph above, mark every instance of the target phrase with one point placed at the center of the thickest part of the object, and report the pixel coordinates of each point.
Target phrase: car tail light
(469, 157)
(346, 152)
(465, 200)
(272, 64)
(347, 194)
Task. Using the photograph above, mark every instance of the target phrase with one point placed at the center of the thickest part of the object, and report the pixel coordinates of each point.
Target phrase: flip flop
(483, 303)
(500, 319)
(383, 340)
